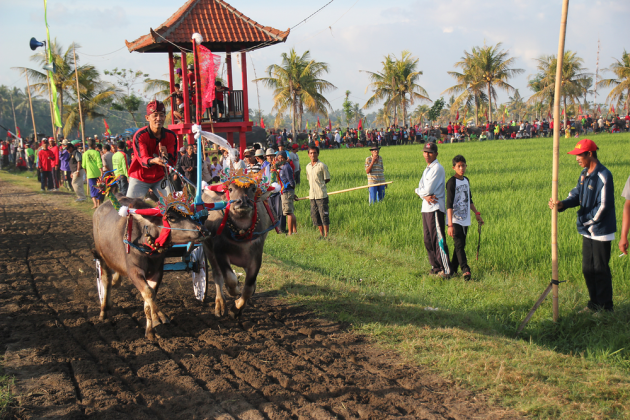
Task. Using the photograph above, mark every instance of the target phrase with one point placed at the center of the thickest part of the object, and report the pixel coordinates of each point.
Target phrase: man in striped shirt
(375, 174)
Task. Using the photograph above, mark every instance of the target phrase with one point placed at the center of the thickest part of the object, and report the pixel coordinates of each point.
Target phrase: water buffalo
(144, 268)
(240, 243)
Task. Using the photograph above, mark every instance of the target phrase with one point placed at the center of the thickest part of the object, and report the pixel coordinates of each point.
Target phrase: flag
(209, 67)
(109, 133)
(53, 88)
(329, 125)
(562, 111)
(19, 134)
(457, 117)
(307, 125)
(361, 123)
(612, 108)
(318, 126)
(262, 122)
(599, 110)
(507, 112)
(549, 114)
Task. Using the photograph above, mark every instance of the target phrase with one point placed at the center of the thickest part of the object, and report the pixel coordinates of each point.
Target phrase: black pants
(47, 180)
(435, 241)
(595, 259)
(459, 255)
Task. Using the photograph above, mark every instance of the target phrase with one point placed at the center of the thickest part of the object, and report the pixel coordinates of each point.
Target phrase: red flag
(19, 133)
(457, 117)
(361, 123)
(562, 111)
(612, 108)
(549, 114)
(109, 133)
(599, 110)
(318, 126)
(329, 125)
(208, 68)
(262, 122)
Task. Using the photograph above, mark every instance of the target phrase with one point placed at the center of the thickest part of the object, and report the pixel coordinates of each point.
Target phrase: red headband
(155, 106)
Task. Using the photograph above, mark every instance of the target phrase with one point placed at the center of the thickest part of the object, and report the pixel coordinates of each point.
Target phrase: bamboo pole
(14, 120)
(556, 159)
(52, 119)
(350, 189)
(28, 89)
(76, 75)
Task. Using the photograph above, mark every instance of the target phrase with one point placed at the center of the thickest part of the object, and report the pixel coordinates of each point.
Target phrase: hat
(51, 138)
(64, 142)
(260, 153)
(295, 146)
(583, 146)
(154, 106)
(248, 152)
(430, 148)
(375, 148)
(270, 152)
(283, 153)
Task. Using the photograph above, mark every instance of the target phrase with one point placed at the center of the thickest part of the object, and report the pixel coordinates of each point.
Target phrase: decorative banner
(307, 125)
(209, 64)
(599, 110)
(318, 126)
(457, 117)
(612, 108)
(262, 122)
(329, 125)
(109, 133)
(19, 133)
(361, 123)
(53, 88)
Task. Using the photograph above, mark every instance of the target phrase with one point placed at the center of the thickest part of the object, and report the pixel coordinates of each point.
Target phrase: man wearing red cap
(153, 145)
(596, 222)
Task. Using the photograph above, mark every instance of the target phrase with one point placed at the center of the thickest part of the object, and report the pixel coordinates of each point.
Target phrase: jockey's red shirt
(145, 147)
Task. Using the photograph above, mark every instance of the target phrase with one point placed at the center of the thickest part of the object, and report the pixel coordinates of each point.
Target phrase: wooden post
(30, 101)
(185, 88)
(14, 120)
(171, 81)
(76, 75)
(228, 60)
(198, 92)
(243, 142)
(52, 119)
(556, 159)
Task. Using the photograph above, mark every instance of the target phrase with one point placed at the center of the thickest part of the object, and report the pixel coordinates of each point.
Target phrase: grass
(6, 396)
(371, 274)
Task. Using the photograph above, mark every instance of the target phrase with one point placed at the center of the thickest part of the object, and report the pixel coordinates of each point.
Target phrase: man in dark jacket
(596, 222)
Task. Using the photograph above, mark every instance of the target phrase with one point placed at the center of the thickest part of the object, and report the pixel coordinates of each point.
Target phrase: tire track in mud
(276, 362)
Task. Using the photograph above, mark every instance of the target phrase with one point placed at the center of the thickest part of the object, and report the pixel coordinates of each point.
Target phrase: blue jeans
(377, 193)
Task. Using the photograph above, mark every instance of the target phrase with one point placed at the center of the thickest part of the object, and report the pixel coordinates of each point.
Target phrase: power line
(102, 55)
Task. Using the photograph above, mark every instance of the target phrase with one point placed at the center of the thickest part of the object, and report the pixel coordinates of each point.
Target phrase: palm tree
(64, 77)
(297, 86)
(492, 65)
(396, 84)
(621, 69)
(517, 105)
(469, 85)
(574, 81)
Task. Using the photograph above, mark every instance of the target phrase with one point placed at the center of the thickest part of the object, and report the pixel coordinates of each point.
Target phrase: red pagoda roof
(220, 24)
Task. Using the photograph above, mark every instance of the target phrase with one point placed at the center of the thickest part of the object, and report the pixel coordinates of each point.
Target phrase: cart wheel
(200, 279)
(99, 282)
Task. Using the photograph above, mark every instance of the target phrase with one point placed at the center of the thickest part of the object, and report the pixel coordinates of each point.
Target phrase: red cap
(584, 146)
(155, 106)
(295, 146)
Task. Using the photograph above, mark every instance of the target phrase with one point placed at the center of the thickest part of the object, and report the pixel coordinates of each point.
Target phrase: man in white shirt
(337, 138)
(296, 163)
(432, 191)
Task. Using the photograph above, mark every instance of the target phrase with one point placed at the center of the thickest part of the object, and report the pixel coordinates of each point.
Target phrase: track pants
(435, 241)
(459, 255)
(595, 259)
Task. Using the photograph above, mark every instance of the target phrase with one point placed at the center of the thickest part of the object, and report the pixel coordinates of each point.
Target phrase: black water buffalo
(240, 243)
(144, 269)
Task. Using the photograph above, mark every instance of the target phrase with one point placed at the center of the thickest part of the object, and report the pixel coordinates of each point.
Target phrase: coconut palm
(517, 106)
(298, 86)
(575, 80)
(64, 77)
(469, 87)
(492, 66)
(621, 69)
(396, 84)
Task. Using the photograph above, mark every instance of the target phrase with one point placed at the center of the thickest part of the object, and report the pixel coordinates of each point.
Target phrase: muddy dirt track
(277, 362)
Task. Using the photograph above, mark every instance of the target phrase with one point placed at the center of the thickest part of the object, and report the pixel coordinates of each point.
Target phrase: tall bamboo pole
(52, 119)
(14, 120)
(28, 89)
(76, 75)
(556, 159)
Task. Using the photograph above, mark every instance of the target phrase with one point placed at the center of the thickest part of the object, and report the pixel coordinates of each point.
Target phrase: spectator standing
(46, 164)
(187, 165)
(120, 167)
(594, 194)
(375, 175)
(78, 173)
(30, 157)
(107, 159)
(64, 163)
(215, 169)
(318, 176)
(287, 182)
(431, 190)
(94, 169)
(293, 156)
(52, 146)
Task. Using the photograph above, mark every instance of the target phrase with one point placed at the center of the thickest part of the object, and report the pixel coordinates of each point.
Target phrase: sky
(349, 35)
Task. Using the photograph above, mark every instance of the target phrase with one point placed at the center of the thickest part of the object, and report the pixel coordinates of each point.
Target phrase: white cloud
(447, 30)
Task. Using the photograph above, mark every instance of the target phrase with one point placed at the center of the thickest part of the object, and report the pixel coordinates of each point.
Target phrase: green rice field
(372, 273)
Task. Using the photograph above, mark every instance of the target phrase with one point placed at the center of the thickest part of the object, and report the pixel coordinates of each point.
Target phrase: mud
(277, 362)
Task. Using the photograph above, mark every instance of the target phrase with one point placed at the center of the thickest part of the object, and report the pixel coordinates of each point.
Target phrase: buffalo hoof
(165, 319)
(219, 308)
(235, 312)
(150, 335)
